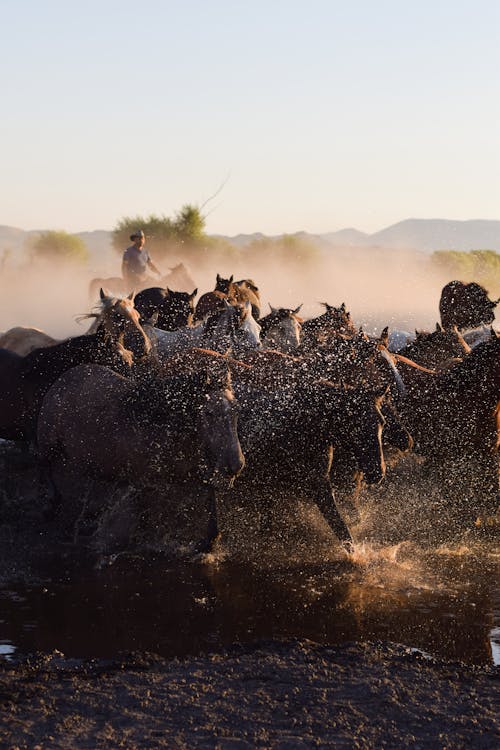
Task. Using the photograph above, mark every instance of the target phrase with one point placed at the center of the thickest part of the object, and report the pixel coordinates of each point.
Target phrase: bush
(57, 246)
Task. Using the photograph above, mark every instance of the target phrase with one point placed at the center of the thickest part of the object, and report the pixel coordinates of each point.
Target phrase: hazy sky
(322, 114)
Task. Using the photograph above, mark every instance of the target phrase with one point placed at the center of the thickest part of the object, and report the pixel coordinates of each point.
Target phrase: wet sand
(275, 693)
(272, 695)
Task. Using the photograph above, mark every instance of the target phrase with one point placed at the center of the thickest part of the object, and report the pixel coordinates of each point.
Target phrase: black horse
(173, 309)
(118, 341)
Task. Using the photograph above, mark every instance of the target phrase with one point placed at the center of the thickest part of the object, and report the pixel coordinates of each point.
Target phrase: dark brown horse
(466, 305)
(170, 430)
(436, 349)
(333, 320)
(172, 310)
(454, 418)
(289, 439)
(118, 340)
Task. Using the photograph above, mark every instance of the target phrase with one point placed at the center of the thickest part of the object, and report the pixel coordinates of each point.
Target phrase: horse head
(223, 285)
(281, 329)
(177, 310)
(119, 322)
(217, 428)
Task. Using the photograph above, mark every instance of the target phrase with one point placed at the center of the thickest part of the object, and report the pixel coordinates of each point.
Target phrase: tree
(57, 245)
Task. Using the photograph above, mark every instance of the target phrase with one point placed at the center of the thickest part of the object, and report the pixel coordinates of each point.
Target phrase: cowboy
(136, 261)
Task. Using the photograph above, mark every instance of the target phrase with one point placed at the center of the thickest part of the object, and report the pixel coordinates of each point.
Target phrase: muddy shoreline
(277, 692)
(292, 694)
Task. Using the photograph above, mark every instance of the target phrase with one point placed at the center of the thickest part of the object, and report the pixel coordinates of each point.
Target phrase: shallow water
(444, 602)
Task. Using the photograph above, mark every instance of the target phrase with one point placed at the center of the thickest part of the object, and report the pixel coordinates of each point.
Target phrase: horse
(178, 277)
(229, 328)
(289, 438)
(437, 348)
(466, 305)
(454, 418)
(23, 340)
(334, 319)
(212, 301)
(173, 310)
(244, 291)
(179, 430)
(476, 336)
(25, 380)
(281, 329)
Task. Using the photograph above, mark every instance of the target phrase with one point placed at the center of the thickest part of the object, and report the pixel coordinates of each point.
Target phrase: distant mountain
(441, 234)
(424, 235)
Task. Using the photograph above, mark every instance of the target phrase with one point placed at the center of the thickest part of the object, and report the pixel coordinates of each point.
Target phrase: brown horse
(176, 430)
(119, 340)
(210, 302)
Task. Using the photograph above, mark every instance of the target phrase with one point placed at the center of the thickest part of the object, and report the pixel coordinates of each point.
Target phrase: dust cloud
(380, 287)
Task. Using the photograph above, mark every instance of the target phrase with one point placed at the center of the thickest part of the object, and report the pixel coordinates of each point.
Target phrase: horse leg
(207, 544)
(325, 500)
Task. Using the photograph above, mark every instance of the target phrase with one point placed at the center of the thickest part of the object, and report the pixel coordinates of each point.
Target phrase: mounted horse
(180, 430)
(173, 310)
(24, 381)
(178, 278)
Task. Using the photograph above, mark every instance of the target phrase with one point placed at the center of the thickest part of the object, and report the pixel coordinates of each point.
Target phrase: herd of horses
(164, 392)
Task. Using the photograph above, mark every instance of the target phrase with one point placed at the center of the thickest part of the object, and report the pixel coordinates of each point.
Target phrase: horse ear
(273, 309)
(342, 307)
(384, 337)
(231, 279)
(193, 294)
(297, 309)
(218, 278)
(493, 333)
(102, 293)
(168, 292)
(131, 296)
(439, 328)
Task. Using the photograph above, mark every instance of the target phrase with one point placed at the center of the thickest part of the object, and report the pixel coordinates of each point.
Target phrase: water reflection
(182, 608)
